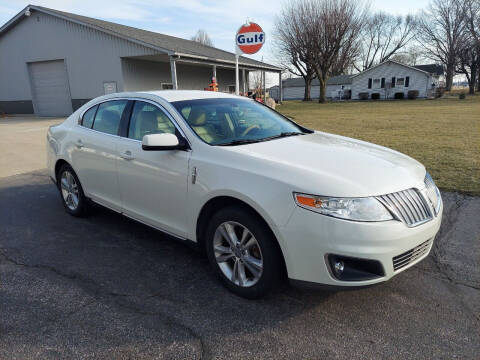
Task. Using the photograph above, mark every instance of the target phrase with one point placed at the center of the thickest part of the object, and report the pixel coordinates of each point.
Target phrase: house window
(376, 83)
(167, 86)
(400, 82)
(383, 83)
(407, 81)
(369, 83)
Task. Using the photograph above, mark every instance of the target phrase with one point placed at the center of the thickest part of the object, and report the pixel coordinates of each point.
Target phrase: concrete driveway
(105, 287)
(22, 143)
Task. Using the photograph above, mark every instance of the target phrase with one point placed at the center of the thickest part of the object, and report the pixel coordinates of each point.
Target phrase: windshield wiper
(240, 142)
(285, 134)
(250, 141)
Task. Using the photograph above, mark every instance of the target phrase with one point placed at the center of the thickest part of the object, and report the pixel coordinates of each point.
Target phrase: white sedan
(264, 197)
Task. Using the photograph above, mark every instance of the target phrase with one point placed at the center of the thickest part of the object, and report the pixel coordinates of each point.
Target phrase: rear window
(88, 117)
(108, 116)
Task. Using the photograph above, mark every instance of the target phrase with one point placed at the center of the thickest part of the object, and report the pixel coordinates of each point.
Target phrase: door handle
(127, 155)
(79, 143)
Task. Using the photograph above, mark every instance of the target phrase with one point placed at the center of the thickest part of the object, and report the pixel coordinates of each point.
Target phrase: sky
(220, 18)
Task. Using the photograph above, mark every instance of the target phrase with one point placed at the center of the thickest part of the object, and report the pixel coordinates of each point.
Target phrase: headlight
(433, 193)
(357, 209)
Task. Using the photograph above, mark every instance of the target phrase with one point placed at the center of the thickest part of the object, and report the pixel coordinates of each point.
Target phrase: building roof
(434, 69)
(334, 80)
(163, 43)
(394, 62)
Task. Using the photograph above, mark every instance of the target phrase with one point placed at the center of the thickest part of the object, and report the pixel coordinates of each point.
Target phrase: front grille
(410, 256)
(408, 206)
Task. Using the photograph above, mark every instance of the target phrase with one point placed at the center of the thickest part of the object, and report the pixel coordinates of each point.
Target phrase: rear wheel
(243, 253)
(71, 191)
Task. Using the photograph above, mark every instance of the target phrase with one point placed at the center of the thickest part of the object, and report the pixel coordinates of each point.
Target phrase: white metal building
(386, 79)
(52, 62)
(392, 77)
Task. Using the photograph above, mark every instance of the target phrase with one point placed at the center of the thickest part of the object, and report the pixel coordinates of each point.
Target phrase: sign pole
(237, 82)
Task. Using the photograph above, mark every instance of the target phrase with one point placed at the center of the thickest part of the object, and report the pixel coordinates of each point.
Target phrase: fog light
(339, 266)
(348, 268)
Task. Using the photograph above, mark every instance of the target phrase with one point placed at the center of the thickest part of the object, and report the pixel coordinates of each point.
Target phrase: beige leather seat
(226, 123)
(164, 124)
(198, 121)
(146, 123)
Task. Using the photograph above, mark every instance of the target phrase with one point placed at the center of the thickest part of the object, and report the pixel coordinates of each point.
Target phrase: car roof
(180, 95)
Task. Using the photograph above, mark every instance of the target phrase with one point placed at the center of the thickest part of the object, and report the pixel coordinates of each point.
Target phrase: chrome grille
(411, 255)
(408, 206)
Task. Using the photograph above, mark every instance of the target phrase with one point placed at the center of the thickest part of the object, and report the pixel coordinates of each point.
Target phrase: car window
(108, 116)
(221, 121)
(148, 119)
(87, 119)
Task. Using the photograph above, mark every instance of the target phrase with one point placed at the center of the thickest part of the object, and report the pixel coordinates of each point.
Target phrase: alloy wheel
(69, 189)
(238, 254)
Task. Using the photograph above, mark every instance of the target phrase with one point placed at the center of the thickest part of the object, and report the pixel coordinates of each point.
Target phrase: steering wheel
(250, 128)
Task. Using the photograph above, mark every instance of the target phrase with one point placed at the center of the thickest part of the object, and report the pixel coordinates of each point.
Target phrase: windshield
(230, 121)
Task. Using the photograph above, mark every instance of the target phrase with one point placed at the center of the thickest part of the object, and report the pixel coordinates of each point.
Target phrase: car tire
(71, 191)
(260, 248)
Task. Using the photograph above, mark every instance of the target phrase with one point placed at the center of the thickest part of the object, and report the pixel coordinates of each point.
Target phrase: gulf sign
(250, 38)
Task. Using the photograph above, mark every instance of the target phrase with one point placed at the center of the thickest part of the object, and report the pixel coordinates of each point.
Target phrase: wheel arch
(60, 162)
(222, 201)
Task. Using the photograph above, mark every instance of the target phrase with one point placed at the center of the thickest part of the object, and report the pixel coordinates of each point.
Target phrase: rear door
(153, 184)
(95, 152)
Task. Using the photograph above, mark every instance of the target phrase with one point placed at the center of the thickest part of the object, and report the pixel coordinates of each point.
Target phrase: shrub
(461, 96)
(363, 96)
(399, 95)
(412, 94)
(439, 91)
(375, 96)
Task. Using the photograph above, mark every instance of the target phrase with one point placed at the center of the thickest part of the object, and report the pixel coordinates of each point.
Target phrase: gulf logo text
(250, 38)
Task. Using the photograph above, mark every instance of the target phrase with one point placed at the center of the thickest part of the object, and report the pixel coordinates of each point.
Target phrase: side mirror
(161, 142)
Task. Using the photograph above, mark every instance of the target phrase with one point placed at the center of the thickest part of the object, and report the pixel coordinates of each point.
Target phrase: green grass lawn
(443, 134)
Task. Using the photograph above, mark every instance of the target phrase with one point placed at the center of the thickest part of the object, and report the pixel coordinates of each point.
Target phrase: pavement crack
(117, 298)
(169, 321)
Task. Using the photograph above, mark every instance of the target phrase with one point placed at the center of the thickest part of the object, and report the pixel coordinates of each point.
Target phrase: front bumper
(309, 237)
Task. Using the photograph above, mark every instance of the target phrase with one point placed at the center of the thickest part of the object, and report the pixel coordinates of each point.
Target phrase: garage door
(50, 90)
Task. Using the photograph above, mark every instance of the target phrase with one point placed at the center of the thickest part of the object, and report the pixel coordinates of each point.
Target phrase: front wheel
(243, 252)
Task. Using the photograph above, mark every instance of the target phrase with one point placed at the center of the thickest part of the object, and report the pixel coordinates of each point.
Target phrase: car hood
(332, 165)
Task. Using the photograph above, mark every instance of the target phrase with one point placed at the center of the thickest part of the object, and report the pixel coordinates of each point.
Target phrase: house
(385, 79)
(391, 77)
(338, 87)
(52, 62)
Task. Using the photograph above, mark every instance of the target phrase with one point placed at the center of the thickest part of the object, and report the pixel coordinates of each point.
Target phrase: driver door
(153, 184)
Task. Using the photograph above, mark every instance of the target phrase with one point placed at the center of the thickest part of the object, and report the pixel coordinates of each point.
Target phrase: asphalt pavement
(106, 287)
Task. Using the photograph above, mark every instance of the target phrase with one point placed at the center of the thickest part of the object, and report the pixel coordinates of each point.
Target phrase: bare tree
(202, 37)
(411, 56)
(384, 35)
(441, 31)
(470, 54)
(294, 48)
(468, 62)
(256, 83)
(333, 27)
